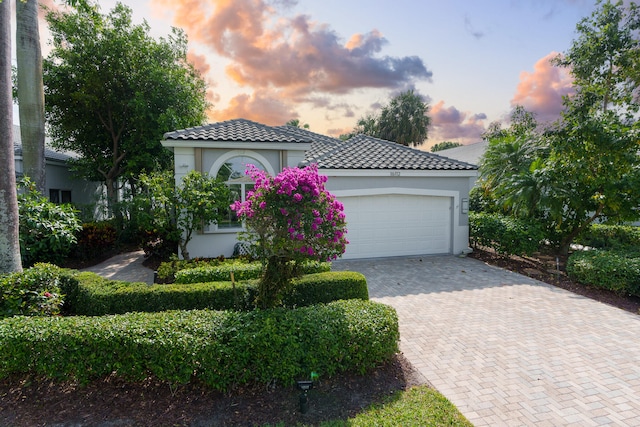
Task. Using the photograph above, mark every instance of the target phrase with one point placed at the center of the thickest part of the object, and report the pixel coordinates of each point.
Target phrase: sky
(330, 62)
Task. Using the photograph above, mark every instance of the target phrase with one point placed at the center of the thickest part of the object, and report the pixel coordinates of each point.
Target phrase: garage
(397, 225)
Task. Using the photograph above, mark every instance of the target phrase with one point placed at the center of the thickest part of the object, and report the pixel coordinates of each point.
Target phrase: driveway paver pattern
(508, 350)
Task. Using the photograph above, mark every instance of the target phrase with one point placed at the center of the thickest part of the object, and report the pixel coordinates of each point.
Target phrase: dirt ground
(113, 402)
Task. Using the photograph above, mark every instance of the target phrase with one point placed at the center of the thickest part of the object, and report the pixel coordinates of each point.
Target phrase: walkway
(508, 350)
(127, 267)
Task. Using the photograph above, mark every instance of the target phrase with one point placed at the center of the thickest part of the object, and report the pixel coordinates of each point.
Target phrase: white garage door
(397, 224)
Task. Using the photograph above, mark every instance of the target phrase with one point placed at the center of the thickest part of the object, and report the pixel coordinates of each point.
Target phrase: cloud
(293, 54)
(451, 124)
(261, 106)
(471, 29)
(541, 91)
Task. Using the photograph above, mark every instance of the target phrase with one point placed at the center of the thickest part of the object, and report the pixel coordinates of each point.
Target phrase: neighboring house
(471, 153)
(398, 200)
(60, 185)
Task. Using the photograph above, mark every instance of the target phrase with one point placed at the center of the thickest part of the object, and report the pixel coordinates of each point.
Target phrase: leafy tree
(594, 150)
(296, 124)
(291, 218)
(404, 120)
(173, 212)
(587, 166)
(444, 145)
(112, 91)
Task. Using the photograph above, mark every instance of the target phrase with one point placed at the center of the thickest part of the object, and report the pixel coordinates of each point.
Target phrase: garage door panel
(395, 225)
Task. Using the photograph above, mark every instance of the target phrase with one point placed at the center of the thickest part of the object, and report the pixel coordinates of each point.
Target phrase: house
(398, 200)
(471, 153)
(60, 184)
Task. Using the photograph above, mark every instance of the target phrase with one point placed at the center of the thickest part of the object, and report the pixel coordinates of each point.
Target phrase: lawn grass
(418, 406)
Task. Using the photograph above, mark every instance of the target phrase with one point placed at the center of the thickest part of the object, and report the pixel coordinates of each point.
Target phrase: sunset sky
(329, 62)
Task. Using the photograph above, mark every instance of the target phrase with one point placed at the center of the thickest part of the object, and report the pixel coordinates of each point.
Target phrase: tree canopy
(112, 91)
(444, 145)
(404, 120)
(586, 167)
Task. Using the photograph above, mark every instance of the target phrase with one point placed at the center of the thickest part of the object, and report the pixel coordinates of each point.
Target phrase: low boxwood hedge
(610, 236)
(97, 296)
(506, 235)
(241, 271)
(217, 348)
(617, 271)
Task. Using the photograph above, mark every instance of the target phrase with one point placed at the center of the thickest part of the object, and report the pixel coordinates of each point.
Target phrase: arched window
(232, 173)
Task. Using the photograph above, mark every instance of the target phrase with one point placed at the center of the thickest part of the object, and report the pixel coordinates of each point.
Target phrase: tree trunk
(9, 225)
(30, 91)
(276, 280)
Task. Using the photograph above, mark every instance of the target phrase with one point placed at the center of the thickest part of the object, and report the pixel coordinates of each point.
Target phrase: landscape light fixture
(304, 386)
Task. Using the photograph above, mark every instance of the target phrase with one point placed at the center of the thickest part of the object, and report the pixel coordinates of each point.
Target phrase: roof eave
(465, 173)
(250, 145)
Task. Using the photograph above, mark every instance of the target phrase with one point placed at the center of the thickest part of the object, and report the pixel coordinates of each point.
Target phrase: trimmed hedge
(506, 235)
(241, 271)
(97, 296)
(36, 291)
(217, 348)
(610, 236)
(613, 270)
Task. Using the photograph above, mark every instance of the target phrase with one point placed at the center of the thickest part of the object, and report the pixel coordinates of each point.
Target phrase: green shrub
(37, 291)
(97, 296)
(241, 271)
(47, 231)
(220, 272)
(506, 235)
(326, 287)
(168, 269)
(610, 236)
(95, 239)
(217, 348)
(613, 270)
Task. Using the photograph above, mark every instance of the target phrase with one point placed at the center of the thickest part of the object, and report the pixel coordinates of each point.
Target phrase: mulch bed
(114, 402)
(549, 269)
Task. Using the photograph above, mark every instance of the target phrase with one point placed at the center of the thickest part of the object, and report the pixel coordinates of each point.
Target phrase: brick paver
(509, 350)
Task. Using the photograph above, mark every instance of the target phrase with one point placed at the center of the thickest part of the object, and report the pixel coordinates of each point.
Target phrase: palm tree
(9, 241)
(30, 91)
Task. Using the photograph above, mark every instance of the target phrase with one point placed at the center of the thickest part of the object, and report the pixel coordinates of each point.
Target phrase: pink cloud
(451, 124)
(541, 91)
(293, 54)
(260, 106)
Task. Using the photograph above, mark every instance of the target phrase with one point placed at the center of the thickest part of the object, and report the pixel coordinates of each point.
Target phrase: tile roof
(359, 152)
(239, 130)
(367, 152)
(320, 146)
(49, 153)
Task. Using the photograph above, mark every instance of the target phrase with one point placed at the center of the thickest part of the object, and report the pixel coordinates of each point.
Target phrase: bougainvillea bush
(291, 217)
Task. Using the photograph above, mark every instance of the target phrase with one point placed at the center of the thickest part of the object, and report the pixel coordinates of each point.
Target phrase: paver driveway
(508, 350)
